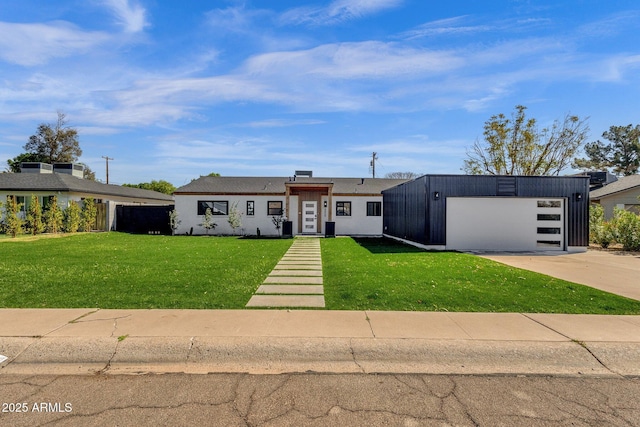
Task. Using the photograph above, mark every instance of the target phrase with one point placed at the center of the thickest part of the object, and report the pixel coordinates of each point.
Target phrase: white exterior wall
(358, 224)
(187, 208)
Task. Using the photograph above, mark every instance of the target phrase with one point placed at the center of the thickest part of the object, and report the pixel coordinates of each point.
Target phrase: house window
(46, 201)
(374, 208)
(343, 208)
(20, 200)
(275, 208)
(250, 208)
(217, 207)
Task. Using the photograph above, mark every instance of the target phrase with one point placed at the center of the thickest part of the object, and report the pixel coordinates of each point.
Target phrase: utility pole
(374, 157)
(107, 159)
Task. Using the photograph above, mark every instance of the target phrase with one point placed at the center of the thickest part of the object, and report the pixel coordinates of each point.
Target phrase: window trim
(271, 211)
(343, 208)
(376, 208)
(213, 207)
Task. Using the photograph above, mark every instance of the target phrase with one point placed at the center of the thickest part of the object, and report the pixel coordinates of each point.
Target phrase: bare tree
(517, 147)
(402, 175)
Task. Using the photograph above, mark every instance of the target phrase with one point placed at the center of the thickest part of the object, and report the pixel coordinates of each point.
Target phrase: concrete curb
(290, 341)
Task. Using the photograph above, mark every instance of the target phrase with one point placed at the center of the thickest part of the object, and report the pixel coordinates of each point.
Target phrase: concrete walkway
(90, 341)
(296, 281)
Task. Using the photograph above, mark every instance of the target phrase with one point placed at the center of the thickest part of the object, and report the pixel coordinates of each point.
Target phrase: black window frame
(251, 208)
(275, 211)
(204, 204)
(343, 208)
(374, 208)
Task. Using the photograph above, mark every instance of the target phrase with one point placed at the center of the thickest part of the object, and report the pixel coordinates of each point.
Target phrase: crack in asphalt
(320, 399)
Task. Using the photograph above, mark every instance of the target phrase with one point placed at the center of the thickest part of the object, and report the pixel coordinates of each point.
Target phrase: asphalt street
(318, 400)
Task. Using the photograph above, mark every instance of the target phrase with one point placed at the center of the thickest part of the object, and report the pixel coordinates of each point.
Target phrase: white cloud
(370, 59)
(449, 26)
(337, 11)
(131, 16)
(279, 123)
(36, 44)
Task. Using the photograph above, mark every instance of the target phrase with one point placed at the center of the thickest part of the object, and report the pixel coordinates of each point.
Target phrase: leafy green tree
(72, 218)
(207, 221)
(517, 147)
(34, 221)
(52, 143)
(53, 217)
(235, 217)
(627, 229)
(601, 232)
(12, 221)
(55, 142)
(160, 186)
(89, 214)
(13, 165)
(621, 154)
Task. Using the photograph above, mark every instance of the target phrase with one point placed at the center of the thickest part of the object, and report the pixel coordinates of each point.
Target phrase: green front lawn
(381, 274)
(114, 270)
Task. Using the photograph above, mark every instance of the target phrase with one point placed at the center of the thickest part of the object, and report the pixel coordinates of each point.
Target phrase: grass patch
(381, 274)
(115, 270)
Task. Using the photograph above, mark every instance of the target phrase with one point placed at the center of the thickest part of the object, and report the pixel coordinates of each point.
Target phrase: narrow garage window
(549, 204)
(548, 243)
(548, 217)
(548, 230)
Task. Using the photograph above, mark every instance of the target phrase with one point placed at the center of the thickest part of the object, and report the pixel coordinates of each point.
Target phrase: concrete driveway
(618, 273)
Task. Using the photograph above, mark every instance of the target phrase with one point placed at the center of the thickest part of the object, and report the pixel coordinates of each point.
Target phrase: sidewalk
(89, 341)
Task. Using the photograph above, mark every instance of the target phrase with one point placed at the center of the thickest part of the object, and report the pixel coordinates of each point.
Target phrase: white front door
(309, 216)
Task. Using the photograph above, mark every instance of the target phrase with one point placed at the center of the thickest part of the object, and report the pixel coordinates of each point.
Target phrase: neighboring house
(65, 181)
(622, 193)
(490, 213)
(352, 205)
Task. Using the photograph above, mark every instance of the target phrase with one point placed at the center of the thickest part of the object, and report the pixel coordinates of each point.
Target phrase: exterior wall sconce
(436, 195)
(325, 203)
(578, 197)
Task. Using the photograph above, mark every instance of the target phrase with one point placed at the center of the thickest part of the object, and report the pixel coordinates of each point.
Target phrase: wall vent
(506, 186)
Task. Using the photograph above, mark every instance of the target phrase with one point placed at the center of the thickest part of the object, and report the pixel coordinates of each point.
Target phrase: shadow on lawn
(383, 245)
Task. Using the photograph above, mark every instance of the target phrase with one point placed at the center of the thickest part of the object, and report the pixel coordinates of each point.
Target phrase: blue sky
(177, 89)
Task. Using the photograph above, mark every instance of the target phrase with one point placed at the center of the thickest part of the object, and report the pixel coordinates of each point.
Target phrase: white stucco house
(65, 181)
(352, 205)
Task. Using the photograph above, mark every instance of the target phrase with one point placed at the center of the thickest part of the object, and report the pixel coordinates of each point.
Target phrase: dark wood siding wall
(414, 211)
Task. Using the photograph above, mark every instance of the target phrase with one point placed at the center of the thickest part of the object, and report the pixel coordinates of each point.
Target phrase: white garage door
(505, 224)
